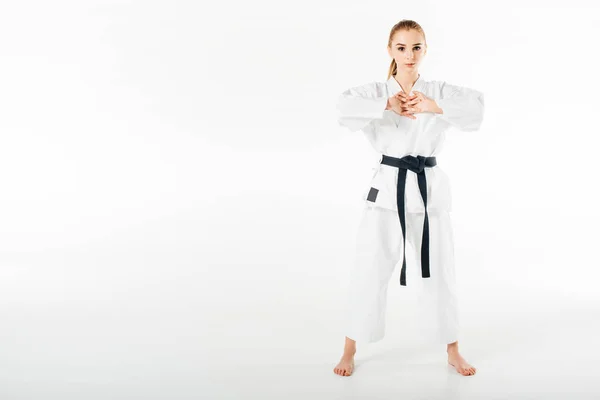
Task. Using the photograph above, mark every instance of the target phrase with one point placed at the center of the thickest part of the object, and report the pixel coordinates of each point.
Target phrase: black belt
(416, 164)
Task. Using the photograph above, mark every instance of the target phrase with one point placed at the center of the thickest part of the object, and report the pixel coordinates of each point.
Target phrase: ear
(389, 50)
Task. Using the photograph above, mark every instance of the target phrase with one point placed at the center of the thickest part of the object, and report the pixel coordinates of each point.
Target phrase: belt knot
(415, 164)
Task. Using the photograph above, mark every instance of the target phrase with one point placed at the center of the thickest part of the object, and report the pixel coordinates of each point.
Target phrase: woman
(405, 119)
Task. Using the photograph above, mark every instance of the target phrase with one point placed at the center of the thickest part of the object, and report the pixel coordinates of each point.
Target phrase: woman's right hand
(398, 104)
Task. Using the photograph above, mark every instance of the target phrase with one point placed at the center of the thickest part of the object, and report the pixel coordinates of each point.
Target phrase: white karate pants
(379, 249)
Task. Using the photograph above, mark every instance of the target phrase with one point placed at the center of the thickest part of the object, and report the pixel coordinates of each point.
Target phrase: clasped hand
(409, 105)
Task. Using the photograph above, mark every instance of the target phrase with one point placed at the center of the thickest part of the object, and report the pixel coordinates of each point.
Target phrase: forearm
(464, 112)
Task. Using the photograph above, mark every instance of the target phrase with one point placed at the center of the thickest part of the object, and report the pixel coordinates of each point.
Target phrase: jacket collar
(394, 87)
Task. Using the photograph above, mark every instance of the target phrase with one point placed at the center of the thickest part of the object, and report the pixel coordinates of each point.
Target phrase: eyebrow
(405, 45)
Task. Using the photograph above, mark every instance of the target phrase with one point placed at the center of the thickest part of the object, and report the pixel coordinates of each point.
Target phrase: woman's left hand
(419, 103)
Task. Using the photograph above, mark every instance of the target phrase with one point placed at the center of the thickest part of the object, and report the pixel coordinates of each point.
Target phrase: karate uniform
(408, 200)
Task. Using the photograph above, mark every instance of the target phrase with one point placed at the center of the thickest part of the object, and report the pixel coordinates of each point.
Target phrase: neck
(409, 77)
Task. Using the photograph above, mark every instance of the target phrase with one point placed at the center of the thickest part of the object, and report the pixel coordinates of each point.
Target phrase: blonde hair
(405, 24)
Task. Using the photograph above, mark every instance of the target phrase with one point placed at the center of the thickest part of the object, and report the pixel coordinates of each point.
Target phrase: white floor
(540, 351)
(148, 314)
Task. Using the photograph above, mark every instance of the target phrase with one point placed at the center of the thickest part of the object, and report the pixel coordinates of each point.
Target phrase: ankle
(349, 346)
(452, 348)
(349, 351)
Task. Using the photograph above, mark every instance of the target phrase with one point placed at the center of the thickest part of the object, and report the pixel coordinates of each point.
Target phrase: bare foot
(458, 362)
(346, 365)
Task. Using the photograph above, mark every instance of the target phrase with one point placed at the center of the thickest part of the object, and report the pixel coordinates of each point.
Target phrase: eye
(416, 47)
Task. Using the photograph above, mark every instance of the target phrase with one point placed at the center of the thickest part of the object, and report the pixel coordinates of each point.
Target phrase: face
(408, 47)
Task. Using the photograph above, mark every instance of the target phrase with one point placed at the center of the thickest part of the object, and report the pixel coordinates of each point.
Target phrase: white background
(178, 204)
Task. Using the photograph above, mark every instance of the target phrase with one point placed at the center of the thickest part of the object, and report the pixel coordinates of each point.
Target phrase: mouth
(410, 64)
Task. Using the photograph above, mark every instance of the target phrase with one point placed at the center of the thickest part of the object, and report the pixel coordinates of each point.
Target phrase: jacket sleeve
(360, 105)
(462, 107)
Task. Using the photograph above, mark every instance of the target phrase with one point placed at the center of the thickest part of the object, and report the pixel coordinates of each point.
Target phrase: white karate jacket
(363, 108)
